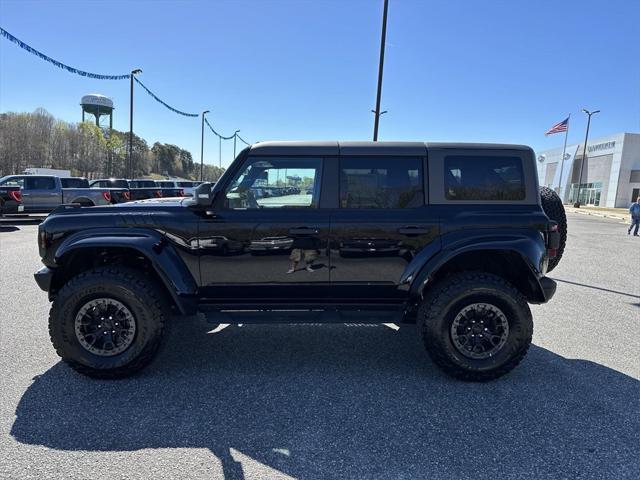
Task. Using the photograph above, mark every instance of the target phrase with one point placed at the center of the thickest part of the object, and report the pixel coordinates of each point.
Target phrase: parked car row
(44, 193)
(268, 191)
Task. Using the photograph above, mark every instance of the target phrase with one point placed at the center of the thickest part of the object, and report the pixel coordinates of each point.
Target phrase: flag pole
(564, 151)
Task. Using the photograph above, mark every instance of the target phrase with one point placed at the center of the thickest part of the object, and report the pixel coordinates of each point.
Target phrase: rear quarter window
(483, 178)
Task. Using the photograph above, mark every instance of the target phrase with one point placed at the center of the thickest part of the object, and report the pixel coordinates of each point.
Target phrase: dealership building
(610, 174)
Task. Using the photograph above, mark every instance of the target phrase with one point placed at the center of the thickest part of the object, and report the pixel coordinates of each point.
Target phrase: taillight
(126, 195)
(181, 193)
(16, 195)
(107, 196)
(158, 193)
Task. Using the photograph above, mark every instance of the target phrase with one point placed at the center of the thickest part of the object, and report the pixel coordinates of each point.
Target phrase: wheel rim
(479, 330)
(105, 327)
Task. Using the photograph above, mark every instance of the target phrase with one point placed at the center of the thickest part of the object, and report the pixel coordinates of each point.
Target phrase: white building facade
(610, 175)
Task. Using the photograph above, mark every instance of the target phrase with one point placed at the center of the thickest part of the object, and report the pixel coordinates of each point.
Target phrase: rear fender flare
(524, 246)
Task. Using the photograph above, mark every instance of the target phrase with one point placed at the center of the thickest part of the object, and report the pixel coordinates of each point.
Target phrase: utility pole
(584, 153)
(133, 73)
(377, 111)
(220, 151)
(202, 147)
(235, 137)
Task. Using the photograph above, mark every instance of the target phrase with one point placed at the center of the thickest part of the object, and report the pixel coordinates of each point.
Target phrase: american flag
(559, 127)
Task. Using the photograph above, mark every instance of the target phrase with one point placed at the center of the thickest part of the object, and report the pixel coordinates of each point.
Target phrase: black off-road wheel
(107, 322)
(475, 326)
(554, 209)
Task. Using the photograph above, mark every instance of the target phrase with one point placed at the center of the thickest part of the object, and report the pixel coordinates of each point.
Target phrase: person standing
(634, 209)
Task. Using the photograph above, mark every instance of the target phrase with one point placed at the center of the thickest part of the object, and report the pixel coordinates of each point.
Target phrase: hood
(159, 202)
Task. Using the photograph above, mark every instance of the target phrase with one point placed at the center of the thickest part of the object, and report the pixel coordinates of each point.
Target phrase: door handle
(412, 230)
(304, 231)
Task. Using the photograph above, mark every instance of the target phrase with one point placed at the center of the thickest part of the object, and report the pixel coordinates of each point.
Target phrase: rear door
(42, 193)
(381, 226)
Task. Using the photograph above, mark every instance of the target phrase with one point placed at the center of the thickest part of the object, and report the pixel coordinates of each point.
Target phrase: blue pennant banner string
(243, 140)
(217, 134)
(163, 103)
(58, 64)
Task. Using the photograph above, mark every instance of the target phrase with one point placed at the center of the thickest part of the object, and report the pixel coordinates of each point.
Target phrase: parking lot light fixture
(235, 138)
(584, 154)
(202, 147)
(134, 72)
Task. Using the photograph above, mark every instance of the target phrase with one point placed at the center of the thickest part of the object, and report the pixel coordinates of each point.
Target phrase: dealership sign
(601, 146)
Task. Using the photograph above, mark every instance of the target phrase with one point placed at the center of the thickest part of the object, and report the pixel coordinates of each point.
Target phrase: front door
(381, 225)
(266, 239)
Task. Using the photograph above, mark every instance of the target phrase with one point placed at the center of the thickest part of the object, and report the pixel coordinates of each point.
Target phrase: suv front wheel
(107, 322)
(475, 326)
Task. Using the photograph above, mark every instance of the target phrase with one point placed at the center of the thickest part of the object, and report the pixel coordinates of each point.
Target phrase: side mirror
(203, 196)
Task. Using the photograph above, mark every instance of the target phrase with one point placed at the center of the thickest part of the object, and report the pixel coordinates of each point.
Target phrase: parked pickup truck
(165, 191)
(44, 193)
(455, 238)
(10, 200)
(137, 189)
(187, 186)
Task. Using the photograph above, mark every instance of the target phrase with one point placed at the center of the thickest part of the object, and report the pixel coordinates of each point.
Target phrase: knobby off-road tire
(554, 209)
(123, 290)
(446, 304)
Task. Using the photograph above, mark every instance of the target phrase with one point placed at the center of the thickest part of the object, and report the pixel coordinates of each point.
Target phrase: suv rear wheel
(107, 322)
(475, 326)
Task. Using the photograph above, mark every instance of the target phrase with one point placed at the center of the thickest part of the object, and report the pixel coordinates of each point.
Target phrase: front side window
(483, 178)
(40, 183)
(381, 182)
(276, 182)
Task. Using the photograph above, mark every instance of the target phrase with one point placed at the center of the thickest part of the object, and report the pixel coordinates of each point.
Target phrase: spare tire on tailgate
(552, 206)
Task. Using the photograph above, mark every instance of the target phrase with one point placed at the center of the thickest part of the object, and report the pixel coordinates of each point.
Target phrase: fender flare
(522, 245)
(151, 244)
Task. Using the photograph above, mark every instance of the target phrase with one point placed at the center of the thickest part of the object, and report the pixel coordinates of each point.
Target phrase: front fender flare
(152, 244)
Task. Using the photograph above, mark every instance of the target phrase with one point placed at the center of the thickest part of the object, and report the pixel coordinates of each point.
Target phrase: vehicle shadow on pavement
(344, 401)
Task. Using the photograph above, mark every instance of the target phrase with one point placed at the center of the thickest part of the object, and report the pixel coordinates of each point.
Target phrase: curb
(625, 218)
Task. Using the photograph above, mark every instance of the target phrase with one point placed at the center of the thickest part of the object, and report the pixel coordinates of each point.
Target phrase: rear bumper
(43, 278)
(548, 288)
(12, 208)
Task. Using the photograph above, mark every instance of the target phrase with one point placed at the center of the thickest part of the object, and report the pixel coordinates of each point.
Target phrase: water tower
(98, 106)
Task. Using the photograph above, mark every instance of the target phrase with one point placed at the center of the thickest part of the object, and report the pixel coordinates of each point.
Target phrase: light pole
(133, 73)
(235, 137)
(383, 39)
(202, 147)
(584, 154)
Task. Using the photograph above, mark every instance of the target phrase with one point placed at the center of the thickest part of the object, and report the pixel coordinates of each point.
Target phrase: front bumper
(43, 278)
(548, 288)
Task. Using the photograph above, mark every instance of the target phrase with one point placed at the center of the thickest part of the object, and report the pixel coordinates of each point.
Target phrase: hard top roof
(367, 148)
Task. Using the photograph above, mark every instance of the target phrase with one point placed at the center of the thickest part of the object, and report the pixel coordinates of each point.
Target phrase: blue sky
(489, 71)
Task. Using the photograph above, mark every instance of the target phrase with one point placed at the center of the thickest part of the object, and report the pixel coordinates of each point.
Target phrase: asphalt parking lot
(342, 401)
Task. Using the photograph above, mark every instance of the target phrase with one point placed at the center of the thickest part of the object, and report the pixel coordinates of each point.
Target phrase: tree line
(39, 140)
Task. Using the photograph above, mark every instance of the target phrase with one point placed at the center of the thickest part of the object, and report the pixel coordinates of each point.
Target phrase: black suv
(454, 237)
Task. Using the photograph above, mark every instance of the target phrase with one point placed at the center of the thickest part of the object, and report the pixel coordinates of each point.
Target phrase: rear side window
(40, 183)
(381, 182)
(74, 183)
(185, 184)
(483, 178)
